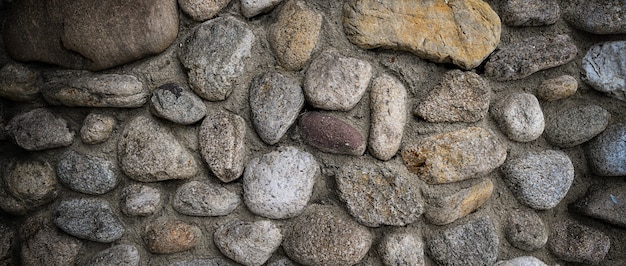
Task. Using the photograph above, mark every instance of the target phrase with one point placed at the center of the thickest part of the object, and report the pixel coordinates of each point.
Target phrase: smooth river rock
(558, 88)
(525, 230)
(529, 12)
(222, 145)
(604, 68)
(606, 202)
(203, 9)
(251, 8)
(120, 255)
(388, 114)
(565, 130)
(87, 173)
(607, 152)
(39, 129)
(177, 104)
(170, 236)
(140, 200)
(331, 134)
(402, 248)
(574, 242)
(248, 243)
(89, 218)
(520, 116)
(97, 128)
(42, 244)
(27, 185)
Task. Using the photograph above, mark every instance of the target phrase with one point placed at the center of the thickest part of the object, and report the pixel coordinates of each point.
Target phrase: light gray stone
(525, 230)
(604, 202)
(177, 104)
(388, 115)
(18, 82)
(578, 243)
(521, 261)
(596, 16)
(203, 199)
(529, 12)
(248, 243)
(475, 242)
(607, 152)
(97, 128)
(201, 10)
(251, 8)
(119, 255)
(576, 125)
(26, 186)
(42, 244)
(89, 218)
(222, 144)
(604, 68)
(281, 262)
(520, 116)
(39, 129)
(401, 249)
(558, 88)
(87, 174)
(140, 200)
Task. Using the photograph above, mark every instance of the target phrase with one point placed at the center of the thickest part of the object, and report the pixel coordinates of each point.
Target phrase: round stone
(525, 230)
(140, 200)
(401, 249)
(203, 9)
(177, 104)
(604, 68)
(87, 174)
(248, 243)
(39, 129)
(27, 186)
(331, 134)
(557, 88)
(97, 128)
(475, 242)
(520, 116)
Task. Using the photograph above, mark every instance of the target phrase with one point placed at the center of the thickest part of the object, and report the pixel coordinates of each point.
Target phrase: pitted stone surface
(18, 82)
(565, 129)
(472, 243)
(331, 134)
(530, 12)
(27, 185)
(203, 199)
(607, 152)
(121, 255)
(604, 68)
(89, 218)
(402, 249)
(39, 129)
(87, 174)
(525, 230)
(249, 243)
(597, 16)
(41, 244)
(388, 114)
(578, 243)
(222, 144)
(177, 104)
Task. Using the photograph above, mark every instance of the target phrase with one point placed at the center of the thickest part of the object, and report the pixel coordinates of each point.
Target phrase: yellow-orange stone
(453, 207)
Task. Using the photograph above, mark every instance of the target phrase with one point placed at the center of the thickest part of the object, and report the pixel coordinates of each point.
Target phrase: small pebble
(525, 230)
(248, 243)
(201, 10)
(18, 82)
(388, 114)
(89, 218)
(475, 242)
(520, 116)
(529, 12)
(170, 236)
(565, 130)
(606, 202)
(445, 210)
(177, 104)
(251, 8)
(120, 255)
(97, 128)
(401, 249)
(87, 174)
(331, 134)
(607, 152)
(222, 144)
(577, 243)
(27, 185)
(140, 200)
(557, 88)
(521, 261)
(40, 129)
(203, 199)
(604, 68)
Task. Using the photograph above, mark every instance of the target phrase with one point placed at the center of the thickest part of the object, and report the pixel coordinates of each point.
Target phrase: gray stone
(577, 243)
(520, 116)
(89, 218)
(576, 125)
(3, 132)
(529, 12)
(203, 9)
(177, 104)
(604, 68)
(140, 200)
(222, 144)
(170, 236)
(251, 8)
(41, 244)
(607, 152)
(214, 56)
(87, 174)
(279, 184)
(97, 128)
(596, 16)
(472, 243)
(148, 152)
(388, 115)
(203, 199)
(120, 255)
(521, 261)
(522, 59)
(204, 262)
(539, 180)
(18, 82)
(331, 134)
(525, 230)
(27, 185)
(459, 97)
(401, 249)
(447, 209)
(248, 243)
(275, 102)
(281, 262)
(325, 235)
(8, 241)
(604, 202)
(40, 129)
(336, 82)
(557, 88)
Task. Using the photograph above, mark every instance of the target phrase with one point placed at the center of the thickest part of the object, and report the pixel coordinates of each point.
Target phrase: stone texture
(521, 261)
(89, 218)
(148, 152)
(222, 144)
(522, 59)
(167, 237)
(459, 97)
(281, 262)
(597, 16)
(7, 244)
(203, 9)
(65, 32)
(336, 82)
(604, 68)
(140, 200)
(388, 115)
(558, 88)
(520, 116)
(251, 8)
(295, 34)
(41, 244)
(203, 199)
(330, 134)
(604, 202)
(248, 243)
(214, 56)
(539, 180)
(26, 186)
(447, 209)
(529, 13)
(577, 243)
(204, 262)
(177, 104)
(121, 255)
(39, 129)
(97, 128)
(460, 32)
(325, 235)
(472, 243)
(275, 102)
(525, 230)
(18, 82)
(401, 249)
(279, 184)
(87, 174)
(455, 156)
(576, 125)
(607, 152)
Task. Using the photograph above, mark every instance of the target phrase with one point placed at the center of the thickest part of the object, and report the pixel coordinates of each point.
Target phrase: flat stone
(525, 230)
(18, 82)
(597, 16)
(401, 249)
(248, 243)
(558, 88)
(251, 8)
(295, 34)
(330, 134)
(89, 218)
(204, 262)
(565, 130)
(522, 59)
(521, 261)
(87, 174)
(325, 235)
(529, 13)
(167, 237)
(41, 244)
(361, 184)
(39, 129)
(604, 68)
(97, 128)
(388, 115)
(214, 56)
(279, 184)
(472, 243)
(149, 152)
(459, 97)
(122, 255)
(140, 200)
(605, 202)
(336, 82)
(520, 116)
(203, 9)
(463, 33)
(177, 104)
(26, 186)
(455, 156)
(222, 144)
(203, 199)
(607, 152)
(275, 102)
(539, 180)
(447, 209)
(577, 243)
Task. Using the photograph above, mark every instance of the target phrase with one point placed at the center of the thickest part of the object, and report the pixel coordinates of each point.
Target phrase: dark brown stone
(331, 134)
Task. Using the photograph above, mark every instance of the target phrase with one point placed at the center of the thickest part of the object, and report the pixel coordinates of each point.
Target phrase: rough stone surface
(87, 174)
(462, 32)
(26, 186)
(604, 68)
(455, 156)
(7, 243)
(401, 249)
(204, 262)
(97, 128)
(39, 129)
(250, 244)
(529, 13)
(177, 104)
(472, 243)
(607, 152)
(525, 230)
(597, 16)
(558, 88)
(148, 152)
(121, 255)
(203, 9)
(520, 116)
(325, 235)
(41, 244)
(279, 184)
(459, 97)
(539, 180)
(331, 134)
(522, 59)
(222, 144)
(251, 8)
(444, 210)
(140, 200)
(606, 202)
(576, 125)
(295, 34)
(388, 115)
(574, 242)
(275, 102)
(18, 82)
(203, 199)
(167, 237)
(214, 56)
(282, 262)
(92, 219)
(521, 261)
(336, 82)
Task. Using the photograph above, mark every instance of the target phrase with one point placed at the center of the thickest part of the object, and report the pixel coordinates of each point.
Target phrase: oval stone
(565, 129)
(331, 134)
(388, 112)
(222, 144)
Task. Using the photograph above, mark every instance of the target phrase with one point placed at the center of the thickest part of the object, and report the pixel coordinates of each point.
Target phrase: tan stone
(557, 88)
(448, 209)
(166, 237)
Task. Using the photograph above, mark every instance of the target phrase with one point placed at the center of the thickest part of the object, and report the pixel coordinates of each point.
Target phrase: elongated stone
(453, 207)
(222, 144)
(331, 134)
(388, 109)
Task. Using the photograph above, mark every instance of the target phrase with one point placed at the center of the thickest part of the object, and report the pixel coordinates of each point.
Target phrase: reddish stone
(331, 134)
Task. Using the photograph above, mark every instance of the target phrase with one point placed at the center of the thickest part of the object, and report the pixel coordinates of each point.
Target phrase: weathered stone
(557, 88)
(520, 116)
(7, 244)
(202, 199)
(607, 152)
(336, 82)
(167, 237)
(140, 200)
(472, 243)
(574, 242)
(41, 244)
(281, 262)
(204, 262)
(250, 244)
(455, 156)
(87, 174)
(203, 9)
(121, 255)
(222, 144)
(177, 104)
(97, 128)
(401, 249)
(604, 202)
(604, 68)
(522, 59)
(444, 210)
(596, 16)
(460, 32)
(459, 97)
(388, 115)
(577, 125)
(18, 82)
(40, 129)
(27, 185)
(521, 261)
(295, 34)
(89, 218)
(331, 134)
(89, 34)
(214, 56)
(529, 12)
(525, 230)
(251, 8)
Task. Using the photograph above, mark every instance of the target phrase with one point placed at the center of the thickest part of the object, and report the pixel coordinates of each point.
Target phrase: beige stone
(557, 88)
(450, 208)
